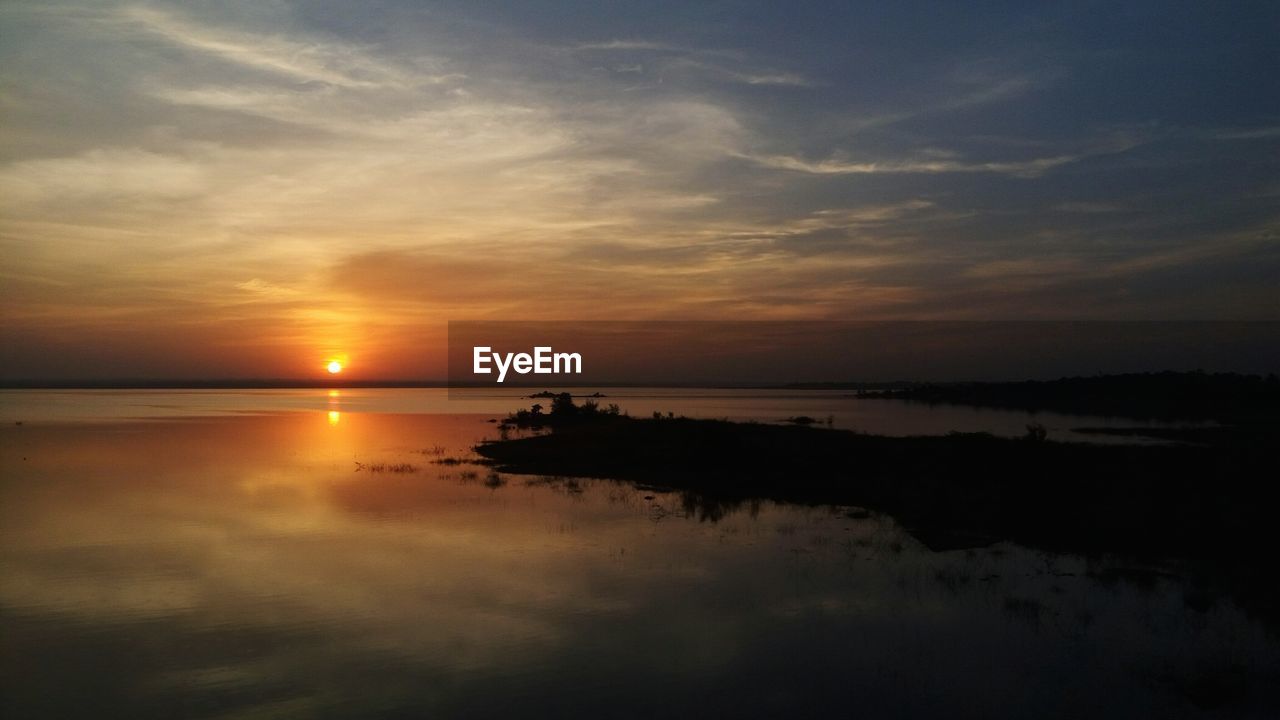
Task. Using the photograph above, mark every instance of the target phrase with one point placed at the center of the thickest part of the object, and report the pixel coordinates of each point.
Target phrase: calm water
(226, 556)
(881, 417)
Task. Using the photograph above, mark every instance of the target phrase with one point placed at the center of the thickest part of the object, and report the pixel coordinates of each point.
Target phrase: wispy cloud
(760, 76)
(715, 64)
(1257, 133)
(626, 45)
(120, 174)
(330, 62)
(1023, 168)
(1089, 208)
(940, 161)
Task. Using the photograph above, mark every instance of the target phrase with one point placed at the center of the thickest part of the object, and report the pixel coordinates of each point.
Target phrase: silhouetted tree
(562, 405)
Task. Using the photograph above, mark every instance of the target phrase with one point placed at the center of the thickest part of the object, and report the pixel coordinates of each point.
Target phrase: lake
(283, 553)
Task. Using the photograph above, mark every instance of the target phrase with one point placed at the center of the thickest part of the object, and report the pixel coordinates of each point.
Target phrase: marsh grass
(451, 461)
(386, 467)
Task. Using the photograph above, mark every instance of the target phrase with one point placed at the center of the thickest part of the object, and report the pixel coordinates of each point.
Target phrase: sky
(254, 188)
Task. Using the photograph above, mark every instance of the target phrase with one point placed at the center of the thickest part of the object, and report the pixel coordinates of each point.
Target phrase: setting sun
(334, 367)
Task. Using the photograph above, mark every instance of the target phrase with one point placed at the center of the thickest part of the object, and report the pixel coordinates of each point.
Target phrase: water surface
(840, 408)
(251, 563)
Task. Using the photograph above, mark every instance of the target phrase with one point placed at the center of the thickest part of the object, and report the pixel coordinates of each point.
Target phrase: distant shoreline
(255, 384)
(239, 384)
(1230, 398)
(926, 390)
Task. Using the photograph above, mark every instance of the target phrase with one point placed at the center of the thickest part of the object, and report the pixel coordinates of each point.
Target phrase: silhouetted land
(1224, 397)
(1206, 506)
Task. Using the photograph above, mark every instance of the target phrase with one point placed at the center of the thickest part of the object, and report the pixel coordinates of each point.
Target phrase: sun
(334, 367)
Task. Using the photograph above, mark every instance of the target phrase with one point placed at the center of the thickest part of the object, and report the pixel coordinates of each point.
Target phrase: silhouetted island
(1204, 505)
(553, 394)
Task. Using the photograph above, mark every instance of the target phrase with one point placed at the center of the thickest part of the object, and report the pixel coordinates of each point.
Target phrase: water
(225, 554)
(881, 417)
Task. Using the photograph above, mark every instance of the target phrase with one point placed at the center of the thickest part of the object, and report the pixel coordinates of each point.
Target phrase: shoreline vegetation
(1171, 396)
(1201, 506)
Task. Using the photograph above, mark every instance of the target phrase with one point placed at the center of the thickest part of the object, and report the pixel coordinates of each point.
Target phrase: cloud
(773, 79)
(329, 62)
(1024, 168)
(1257, 133)
(1089, 208)
(746, 77)
(716, 64)
(119, 173)
(626, 45)
(933, 160)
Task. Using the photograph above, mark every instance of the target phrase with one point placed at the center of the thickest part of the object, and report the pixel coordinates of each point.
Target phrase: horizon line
(333, 384)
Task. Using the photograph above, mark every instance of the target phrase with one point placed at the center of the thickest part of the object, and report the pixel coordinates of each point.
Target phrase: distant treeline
(1224, 397)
